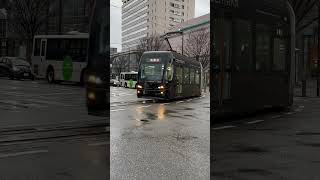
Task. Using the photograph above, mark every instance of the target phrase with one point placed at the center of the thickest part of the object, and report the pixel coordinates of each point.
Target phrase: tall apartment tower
(142, 18)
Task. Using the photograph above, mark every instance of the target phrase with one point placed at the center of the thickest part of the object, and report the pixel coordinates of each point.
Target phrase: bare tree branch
(150, 43)
(198, 46)
(26, 18)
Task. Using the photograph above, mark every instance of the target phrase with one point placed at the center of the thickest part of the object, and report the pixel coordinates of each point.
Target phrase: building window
(174, 5)
(182, 6)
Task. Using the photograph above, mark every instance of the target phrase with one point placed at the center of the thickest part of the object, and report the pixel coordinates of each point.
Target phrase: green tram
(167, 75)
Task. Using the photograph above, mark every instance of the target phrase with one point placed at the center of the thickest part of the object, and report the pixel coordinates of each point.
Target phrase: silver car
(114, 82)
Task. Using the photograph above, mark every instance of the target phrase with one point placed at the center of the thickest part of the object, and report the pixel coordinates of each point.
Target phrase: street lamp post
(129, 57)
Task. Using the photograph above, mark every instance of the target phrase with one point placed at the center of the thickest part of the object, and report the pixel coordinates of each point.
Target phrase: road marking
(144, 106)
(275, 117)
(114, 110)
(23, 153)
(289, 113)
(254, 122)
(179, 102)
(98, 144)
(166, 103)
(49, 94)
(223, 127)
(301, 106)
(189, 100)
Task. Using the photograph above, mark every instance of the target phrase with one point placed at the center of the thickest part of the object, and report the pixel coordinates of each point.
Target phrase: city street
(275, 145)
(159, 140)
(46, 133)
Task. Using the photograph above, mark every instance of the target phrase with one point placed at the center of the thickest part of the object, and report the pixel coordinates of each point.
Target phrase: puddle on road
(308, 133)
(143, 116)
(248, 149)
(187, 108)
(254, 171)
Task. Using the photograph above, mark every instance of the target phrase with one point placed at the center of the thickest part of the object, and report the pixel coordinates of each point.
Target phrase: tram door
(222, 59)
(179, 81)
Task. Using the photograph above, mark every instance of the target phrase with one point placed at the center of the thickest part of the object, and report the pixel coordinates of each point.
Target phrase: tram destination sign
(227, 3)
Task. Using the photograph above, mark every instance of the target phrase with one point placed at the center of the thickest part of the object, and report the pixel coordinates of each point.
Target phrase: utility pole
(318, 58)
(60, 17)
(182, 41)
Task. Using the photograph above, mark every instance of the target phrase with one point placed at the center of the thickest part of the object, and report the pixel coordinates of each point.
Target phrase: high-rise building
(68, 15)
(142, 18)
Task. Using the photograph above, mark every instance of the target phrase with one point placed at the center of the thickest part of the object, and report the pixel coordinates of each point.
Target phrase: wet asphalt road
(46, 133)
(279, 145)
(159, 140)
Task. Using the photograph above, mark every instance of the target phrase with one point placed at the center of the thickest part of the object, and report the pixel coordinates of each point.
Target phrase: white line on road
(223, 127)
(144, 106)
(114, 110)
(301, 106)
(289, 113)
(50, 94)
(254, 122)
(22, 153)
(275, 117)
(189, 100)
(98, 144)
(179, 102)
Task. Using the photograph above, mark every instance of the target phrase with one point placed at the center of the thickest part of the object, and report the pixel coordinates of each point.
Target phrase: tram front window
(153, 67)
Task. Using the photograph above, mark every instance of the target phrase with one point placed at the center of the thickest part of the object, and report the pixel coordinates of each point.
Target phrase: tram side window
(179, 75)
(242, 45)
(197, 77)
(37, 47)
(186, 74)
(192, 76)
(263, 50)
(279, 55)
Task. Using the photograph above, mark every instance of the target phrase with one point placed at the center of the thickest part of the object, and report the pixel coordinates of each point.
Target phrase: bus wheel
(50, 76)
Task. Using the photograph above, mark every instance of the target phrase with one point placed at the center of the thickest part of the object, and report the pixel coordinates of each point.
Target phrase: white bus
(60, 57)
(128, 79)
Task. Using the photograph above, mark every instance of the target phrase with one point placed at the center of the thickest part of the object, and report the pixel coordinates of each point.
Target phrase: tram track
(47, 133)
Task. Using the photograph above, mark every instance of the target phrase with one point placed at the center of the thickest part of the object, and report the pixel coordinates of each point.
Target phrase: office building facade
(142, 18)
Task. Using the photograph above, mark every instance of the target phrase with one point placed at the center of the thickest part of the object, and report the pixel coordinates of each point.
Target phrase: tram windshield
(152, 67)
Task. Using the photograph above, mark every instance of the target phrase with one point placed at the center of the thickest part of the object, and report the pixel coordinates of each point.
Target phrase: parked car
(114, 82)
(15, 68)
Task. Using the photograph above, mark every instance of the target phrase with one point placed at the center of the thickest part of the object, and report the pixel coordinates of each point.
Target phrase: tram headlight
(139, 86)
(161, 87)
(94, 79)
(91, 96)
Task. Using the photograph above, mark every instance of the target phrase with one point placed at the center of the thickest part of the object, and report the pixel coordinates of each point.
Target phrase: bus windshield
(153, 66)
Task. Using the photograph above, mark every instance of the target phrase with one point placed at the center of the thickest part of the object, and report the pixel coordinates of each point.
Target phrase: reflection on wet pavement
(155, 140)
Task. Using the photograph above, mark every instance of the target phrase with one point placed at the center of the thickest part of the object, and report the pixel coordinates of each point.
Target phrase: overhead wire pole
(318, 60)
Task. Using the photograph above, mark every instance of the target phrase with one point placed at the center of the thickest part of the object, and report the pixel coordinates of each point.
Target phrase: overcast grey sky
(202, 7)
